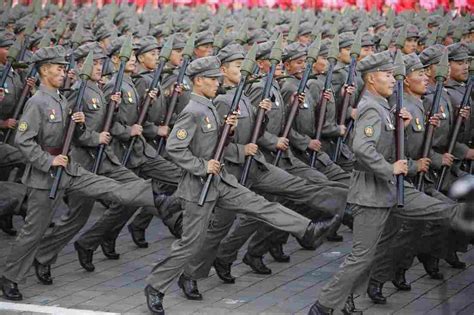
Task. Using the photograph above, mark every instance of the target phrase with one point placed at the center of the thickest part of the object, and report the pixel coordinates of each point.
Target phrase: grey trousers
(114, 219)
(76, 217)
(196, 222)
(41, 210)
(369, 243)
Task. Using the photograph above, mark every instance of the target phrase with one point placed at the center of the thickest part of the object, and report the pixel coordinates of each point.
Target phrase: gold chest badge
(52, 114)
(418, 124)
(208, 122)
(130, 99)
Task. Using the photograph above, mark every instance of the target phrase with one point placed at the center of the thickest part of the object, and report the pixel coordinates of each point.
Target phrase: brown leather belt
(53, 150)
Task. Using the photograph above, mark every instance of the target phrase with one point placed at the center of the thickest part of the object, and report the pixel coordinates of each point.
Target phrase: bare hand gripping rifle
(399, 74)
(441, 74)
(187, 56)
(313, 52)
(124, 55)
(164, 57)
(71, 126)
(466, 102)
(246, 71)
(275, 59)
(320, 111)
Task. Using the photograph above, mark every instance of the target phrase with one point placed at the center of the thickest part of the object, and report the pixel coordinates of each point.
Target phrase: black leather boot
(10, 290)
(189, 287)
(316, 231)
(138, 236)
(400, 281)
(108, 248)
(256, 264)
(375, 292)
(43, 273)
(453, 259)
(277, 253)
(223, 271)
(430, 264)
(318, 309)
(85, 257)
(167, 205)
(154, 300)
(349, 307)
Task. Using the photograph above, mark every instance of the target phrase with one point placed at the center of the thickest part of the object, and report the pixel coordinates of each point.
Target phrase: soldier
(143, 161)
(374, 176)
(190, 145)
(263, 178)
(203, 44)
(39, 137)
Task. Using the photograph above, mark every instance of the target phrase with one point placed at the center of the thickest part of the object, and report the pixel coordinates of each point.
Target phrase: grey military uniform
(12, 91)
(456, 92)
(322, 199)
(39, 138)
(373, 144)
(191, 145)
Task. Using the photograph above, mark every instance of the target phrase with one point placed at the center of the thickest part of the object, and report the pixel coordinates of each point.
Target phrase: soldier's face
(321, 65)
(264, 65)
(131, 64)
(459, 70)
(416, 82)
(3, 55)
(383, 82)
(366, 51)
(176, 57)
(203, 50)
(410, 45)
(231, 71)
(52, 75)
(208, 86)
(97, 70)
(345, 55)
(305, 39)
(149, 59)
(296, 67)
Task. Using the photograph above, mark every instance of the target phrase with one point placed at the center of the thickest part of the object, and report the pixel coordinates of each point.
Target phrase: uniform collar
(142, 70)
(201, 100)
(54, 93)
(379, 99)
(413, 100)
(454, 83)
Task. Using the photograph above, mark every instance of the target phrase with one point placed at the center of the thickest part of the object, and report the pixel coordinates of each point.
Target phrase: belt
(53, 150)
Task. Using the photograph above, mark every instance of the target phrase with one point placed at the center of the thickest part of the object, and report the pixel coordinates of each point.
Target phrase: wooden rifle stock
(71, 65)
(400, 143)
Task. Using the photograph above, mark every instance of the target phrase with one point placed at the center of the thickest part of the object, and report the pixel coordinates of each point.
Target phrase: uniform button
(390, 159)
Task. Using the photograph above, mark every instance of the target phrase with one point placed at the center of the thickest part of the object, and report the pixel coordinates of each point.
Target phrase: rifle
(355, 53)
(246, 71)
(275, 59)
(313, 52)
(332, 58)
(124, 55)
(441, 74)
(75, 40)
(27, 37)
(466, 102)
(399, 74)
(164, 57)
(71, 126)
(45, 42)
(187, 55)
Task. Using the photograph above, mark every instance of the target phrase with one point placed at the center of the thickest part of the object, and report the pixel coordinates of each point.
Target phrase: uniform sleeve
(118, 129)
(330, 127)
(460, 150)
(28, 130)
(365, 141)
(178, 148)
(88, 136)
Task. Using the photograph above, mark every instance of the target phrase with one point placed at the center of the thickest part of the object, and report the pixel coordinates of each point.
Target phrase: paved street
(117, 286)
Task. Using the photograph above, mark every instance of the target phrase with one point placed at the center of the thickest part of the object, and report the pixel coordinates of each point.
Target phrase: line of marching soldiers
(235, 126)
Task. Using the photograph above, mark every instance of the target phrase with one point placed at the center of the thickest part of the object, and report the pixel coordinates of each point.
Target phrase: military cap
(21, 24)
(347, 27)
(324, 49)
(179, 41)
(412, 31)
(305, 28)
(434, 20)
(381, 61)
(231, 52)
(346, 40)
(83, 50)
(36, 38)
(412, 63)
(399, 22)
(116, 44)
(6, 39)
(367, 40)
(208, 67)
(293, 51)
(103, 32)
(87, 37)
(258, 35)
(378, 23)
(284, 29)
(203, 38)
(146, 44)
(264, 49)
(458, 52)
(53, 55)
(432, 54)
(469, 28)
